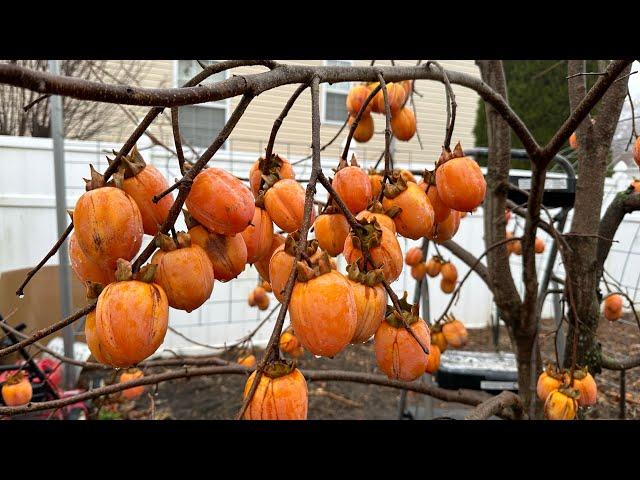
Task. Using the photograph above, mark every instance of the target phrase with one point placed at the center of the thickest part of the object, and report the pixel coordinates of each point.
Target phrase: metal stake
(57, 134)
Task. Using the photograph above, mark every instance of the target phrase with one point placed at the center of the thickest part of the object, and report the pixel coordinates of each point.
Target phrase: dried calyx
(397, 184)
(270, 169)
(15, 378)
(370, 278)
(553, 372)
(189, 220)
(130, 166)
(343, 163)
(408, 313)
(93, 289)
(570, 392)
(96, 180)
(447, 155)
(367, 235)
(376, 207)
(332, 209)
(293, 239)
(279, 368)
(580, 373)
(320, 266)
(450, 317)
(429, 176)
(124, 272)
(165, 243)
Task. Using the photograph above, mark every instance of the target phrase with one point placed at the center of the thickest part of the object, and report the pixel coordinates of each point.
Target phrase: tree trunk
(521, 324)
(594, 142)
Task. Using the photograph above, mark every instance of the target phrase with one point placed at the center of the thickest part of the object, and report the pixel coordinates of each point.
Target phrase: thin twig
(50, 253)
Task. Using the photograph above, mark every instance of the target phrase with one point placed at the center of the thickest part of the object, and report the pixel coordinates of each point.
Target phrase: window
(335, 97)
(200, 124)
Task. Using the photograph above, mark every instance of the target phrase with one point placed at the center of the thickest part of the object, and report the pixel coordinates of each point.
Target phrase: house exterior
(200, 123)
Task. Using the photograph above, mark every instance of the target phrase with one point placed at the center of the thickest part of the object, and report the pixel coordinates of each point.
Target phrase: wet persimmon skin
(353, 186)
(383, 220)
(227, 253)
(398, 354)
(331, 231)
(323, 313)
(403, 124)
(262, 265)
(388, 254)
(280, 267)
(133, 392)
(92, 337)
(255, 175)
(365, 129)
(371, 304)
(108, 225)
(440, 210)
(186, 276)
(356, 98)
(416, 218)
(258, 237)
(142, 187)
(220, 202)
(17, 394)
(282, 398)
(84, 268)
(433, 360)
(131, 321)
(285, 204)
(461, 184)
(446, 229)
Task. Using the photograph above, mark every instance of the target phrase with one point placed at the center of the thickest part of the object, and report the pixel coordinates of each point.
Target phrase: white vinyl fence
(28, 229)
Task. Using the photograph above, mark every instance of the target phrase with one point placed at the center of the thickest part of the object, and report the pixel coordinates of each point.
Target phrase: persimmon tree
(225, 210)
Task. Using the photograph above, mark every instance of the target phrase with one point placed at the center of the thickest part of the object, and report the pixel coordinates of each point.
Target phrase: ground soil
(218, 397)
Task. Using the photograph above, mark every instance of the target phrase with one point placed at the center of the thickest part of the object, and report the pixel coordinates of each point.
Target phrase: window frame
(220, 104)
(326, 88)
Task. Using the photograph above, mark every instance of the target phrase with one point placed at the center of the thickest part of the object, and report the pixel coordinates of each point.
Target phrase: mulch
(219, 397)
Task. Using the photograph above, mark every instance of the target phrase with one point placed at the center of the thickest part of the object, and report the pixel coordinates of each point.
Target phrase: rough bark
(502, 401)
(520, 318)
(499, 162)
(594, 140)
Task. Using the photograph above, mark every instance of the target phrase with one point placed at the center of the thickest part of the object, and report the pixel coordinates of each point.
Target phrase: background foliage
(538, 92)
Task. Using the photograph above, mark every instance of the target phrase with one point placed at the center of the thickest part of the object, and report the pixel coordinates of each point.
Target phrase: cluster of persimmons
(403, 120)
(230, 226)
